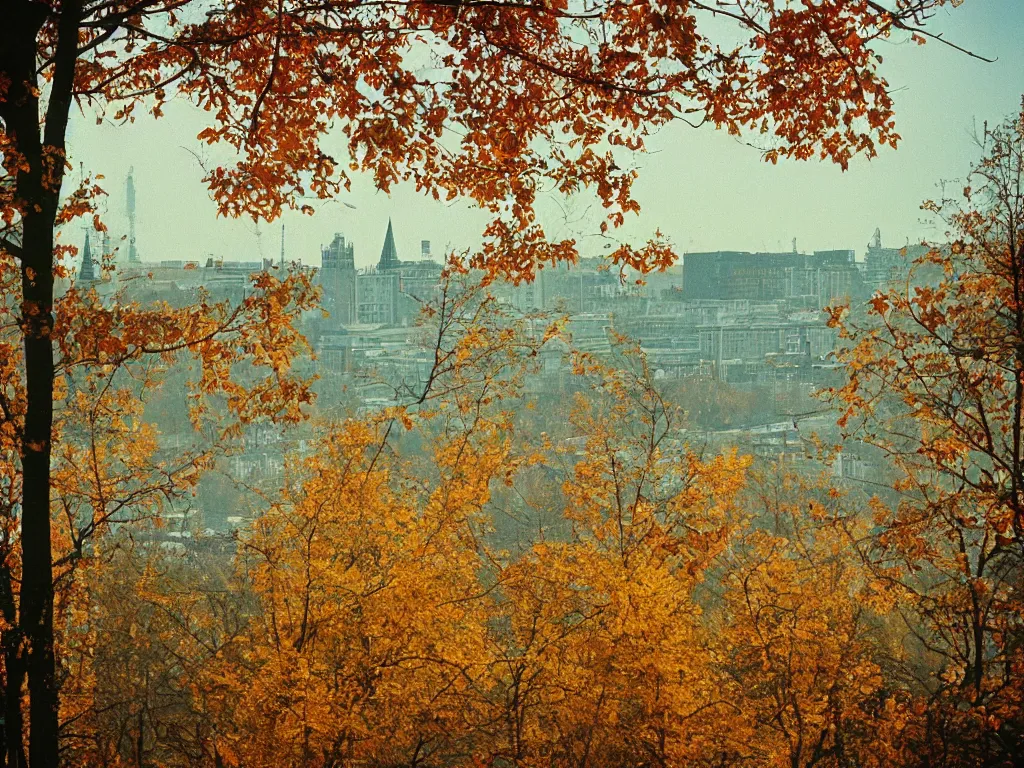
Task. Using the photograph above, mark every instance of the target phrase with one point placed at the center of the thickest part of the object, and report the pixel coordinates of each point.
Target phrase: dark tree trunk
(37, 561)
(13, 752)
(39, 139)
(14, 749)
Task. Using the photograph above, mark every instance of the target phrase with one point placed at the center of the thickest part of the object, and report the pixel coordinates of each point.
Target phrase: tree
(367, 630)
(520, 95)
(367, 640)
(937, 382)
(800, 630)
(109, 467)
(601, 658)
(137, 631)
(700, 610)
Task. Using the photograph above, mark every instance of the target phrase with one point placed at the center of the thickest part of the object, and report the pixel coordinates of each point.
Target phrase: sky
(703, 189)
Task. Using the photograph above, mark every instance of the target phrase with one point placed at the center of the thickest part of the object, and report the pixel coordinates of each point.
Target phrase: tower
(282, 246)
(338, 277)
(389, 253)
(133, 254)
(88, 272)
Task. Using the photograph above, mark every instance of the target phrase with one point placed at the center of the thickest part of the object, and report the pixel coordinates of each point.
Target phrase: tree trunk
(36, 612)
(14, 749)
(40, 142)
(11, 646)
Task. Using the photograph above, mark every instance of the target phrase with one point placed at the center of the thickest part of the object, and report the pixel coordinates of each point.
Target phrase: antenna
(282, 246)
(129, 193)
(259, 239)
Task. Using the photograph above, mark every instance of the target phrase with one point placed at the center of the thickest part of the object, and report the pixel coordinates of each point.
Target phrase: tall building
(338, 278)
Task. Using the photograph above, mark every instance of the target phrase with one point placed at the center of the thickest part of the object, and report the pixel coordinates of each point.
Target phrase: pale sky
(702, 188)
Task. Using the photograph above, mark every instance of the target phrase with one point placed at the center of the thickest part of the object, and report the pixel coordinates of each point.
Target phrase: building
(391, 293)
(407, 284)
(809, 338)
(378, 297)
(338, 279)
(810, 280)
(584, 287)
(885, 266)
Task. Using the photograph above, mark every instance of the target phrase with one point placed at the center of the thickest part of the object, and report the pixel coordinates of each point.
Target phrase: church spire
(389, 253)
(88, 272)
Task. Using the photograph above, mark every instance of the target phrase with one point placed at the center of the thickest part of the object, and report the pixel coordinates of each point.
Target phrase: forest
(485, 571)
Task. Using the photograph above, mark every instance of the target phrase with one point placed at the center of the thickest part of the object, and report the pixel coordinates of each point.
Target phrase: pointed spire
(88, 273)
(389, 253)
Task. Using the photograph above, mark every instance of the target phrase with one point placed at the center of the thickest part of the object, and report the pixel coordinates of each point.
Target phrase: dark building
(737, 275)
(815, 278)
(338, 278)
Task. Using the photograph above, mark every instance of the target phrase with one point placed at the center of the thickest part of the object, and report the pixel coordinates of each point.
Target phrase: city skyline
(702, 188)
